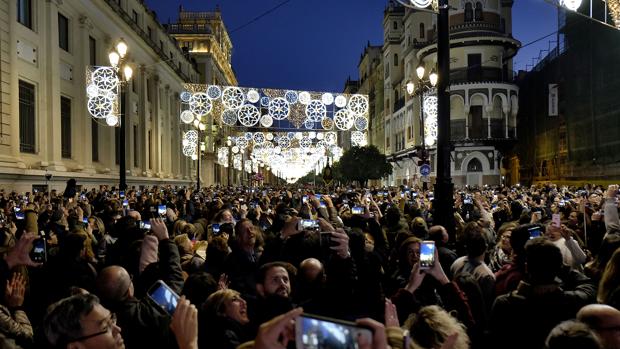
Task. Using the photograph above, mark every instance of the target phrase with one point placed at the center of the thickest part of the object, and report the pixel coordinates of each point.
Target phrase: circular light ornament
(235, 149)
(279, 108)
(321, 146)
(229, 117)
(299, 135)
(358, 104)
(185, 142)
(233, 97)
(421, 3)
(194, 156)
(92, 90)
(111, 120)
(187, 116)
(305, 142)
(242, 142)
(358, 138)
(100, 106)
(248, 135)
(105, 78)
(429, 140)
(253, 96)
(341, 101)
(327, 123)
(320, 136)
(291, 97)
(315, 110)
(259, 138)
(344, 120)
(214, 92)
(188, 150)
(330, 138)
(185, 96)
(309, 124)
(572, 5)
(290, 135)
(191, 136)
(264, 101)
(312, 135)
(266, 120)
(327, 98)
(269, 136)
(196, 123)
(284, 142)
(361, 123)
(304, 97)
(430, 106)
(248, 115)
(200, 104)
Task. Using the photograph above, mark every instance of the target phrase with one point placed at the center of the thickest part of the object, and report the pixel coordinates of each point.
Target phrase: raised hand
(14, 292)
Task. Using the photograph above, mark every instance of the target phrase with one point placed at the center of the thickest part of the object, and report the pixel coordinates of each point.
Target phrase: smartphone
(125, 203)
(555, 219)
(82, 197)
(122, 194)
(39, 250)
(164, 296)
(357, 210)
(467, 200)
(216, 229)
(85, 220)
(19, 215)
(146, 225)
(317, 332)
(16, 209)
(318, 196)
(308, 224)
(304, 199)
(535, 232)
(427, 254)
(161, 210)
(322, 204)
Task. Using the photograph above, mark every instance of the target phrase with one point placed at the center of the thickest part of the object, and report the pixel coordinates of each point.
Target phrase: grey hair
(62, 320)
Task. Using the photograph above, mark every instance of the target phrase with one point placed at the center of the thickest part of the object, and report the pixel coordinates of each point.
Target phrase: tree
(363, 163)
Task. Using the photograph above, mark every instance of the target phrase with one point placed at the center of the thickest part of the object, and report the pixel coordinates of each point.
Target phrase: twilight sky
(316, 45)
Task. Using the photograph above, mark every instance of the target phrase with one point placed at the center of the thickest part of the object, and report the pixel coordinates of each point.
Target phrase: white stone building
(483, 95)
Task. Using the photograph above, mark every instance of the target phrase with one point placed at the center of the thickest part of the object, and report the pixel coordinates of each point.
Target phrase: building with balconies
(370, 70)
(483, 94)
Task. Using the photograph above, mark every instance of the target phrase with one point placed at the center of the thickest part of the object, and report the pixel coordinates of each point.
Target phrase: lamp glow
(433, 77)
(114, 58)
(419, 71)
(121, 47)
(127, 72)
(410, 87)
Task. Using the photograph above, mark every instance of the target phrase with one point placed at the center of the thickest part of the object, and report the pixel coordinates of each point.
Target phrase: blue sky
(316, 45)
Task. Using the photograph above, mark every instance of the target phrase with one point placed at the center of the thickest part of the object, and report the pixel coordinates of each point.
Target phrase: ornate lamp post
(118, 58)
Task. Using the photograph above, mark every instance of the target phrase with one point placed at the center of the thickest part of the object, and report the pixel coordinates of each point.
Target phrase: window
(148, 90)
(149, 31)
(395, 60)
(65, 127)
(24, 12)
(478, 12)
(474, 67)
(421, 30)
(94, 126)
(161, 45)
(92, 49)
(134, 82)
(394, 25)
(469, 13)
(134, 16)
(63, 32)
(26, 117)
(135, 146)
(474, 165)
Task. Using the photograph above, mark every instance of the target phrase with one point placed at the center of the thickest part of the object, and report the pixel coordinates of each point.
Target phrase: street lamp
(444, 202)
(423, 86)
(118, 60)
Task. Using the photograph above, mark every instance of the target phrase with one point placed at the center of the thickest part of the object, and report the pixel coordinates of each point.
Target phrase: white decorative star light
(291, 97)
(304, 97)
(242, 142)
(92, 90)
(358, 138)
(259, 138)
(233, 97)
(100, 106)
(185, 96)
(229, 117)
(330, 138)
(421, 3)
(430, 120)
(309, 124)
(572, 5)
(187, 117)
(253, 96)
(315, 110)
(111, 120)
(327, 98)
(105, 78)
(200, 104)
(344, 119)
(214, 92)
(341, 101)
(284, 142)
(278, 108)
(358, 104)
(305, 142)
(361, 123)
(266, 120)
(248, 115)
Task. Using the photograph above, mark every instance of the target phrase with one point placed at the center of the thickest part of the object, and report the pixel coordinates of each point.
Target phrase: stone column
(82, 129)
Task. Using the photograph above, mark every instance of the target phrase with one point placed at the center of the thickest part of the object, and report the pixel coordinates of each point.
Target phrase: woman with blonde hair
(226, 317)
(609, 286)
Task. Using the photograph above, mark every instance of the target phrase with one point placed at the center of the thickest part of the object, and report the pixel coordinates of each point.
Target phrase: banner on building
(553, 99)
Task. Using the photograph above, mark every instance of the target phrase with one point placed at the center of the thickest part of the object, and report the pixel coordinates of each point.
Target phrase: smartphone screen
(19, 215)
(555, 218)
(315, 332)
(146, 225)
(125, 203)
(535, 232)
(357, 210)
(39, 250)
(304, 199)
(122, 194)
(164, 296)
(427, 254)
(309, 224)
(85, 220)
(161, 210)
(215, 228)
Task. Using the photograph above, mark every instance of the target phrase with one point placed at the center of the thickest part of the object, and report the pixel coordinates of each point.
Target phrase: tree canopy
(363, 163)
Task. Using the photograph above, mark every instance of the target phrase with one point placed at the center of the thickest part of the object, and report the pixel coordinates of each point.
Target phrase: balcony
(188, 28)
(459, 132)
(483, 74)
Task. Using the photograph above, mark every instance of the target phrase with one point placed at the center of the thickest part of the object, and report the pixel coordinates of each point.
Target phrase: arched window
(421, 30)
(469, 13)
(474, 165)
(396, 60)
(478, 12)
(395, 25)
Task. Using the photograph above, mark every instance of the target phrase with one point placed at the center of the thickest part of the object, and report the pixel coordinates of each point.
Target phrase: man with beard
(273, 287)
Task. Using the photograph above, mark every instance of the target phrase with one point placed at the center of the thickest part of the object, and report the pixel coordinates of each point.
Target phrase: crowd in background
(526, 267)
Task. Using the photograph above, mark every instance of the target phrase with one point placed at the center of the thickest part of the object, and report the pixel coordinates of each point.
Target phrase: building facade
(574, 137)
(204, 37)
(371, 83)
(45, 126)
(483, 94)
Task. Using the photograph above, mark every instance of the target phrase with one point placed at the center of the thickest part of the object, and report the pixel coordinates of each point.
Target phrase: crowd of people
(526, 267)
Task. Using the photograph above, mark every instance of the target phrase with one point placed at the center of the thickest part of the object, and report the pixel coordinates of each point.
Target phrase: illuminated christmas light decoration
(327, 124)
(187, 117)
(572, 5)
(344, 120)
(253, 96)
(361, 123)
(315, 110)
(229, 117)
(111, 120)
(259, 138)
(278, 108)
(291, 97)
(309, 124)
(304, 97)
(185, 96)
(358, 138)
(429, 107)
(614, 11)
(331, 138)
(100, 106)
(242, 142)
(327, 98)
(233, 97)
(92, 90)
(266, 120)
(200, 104)
(214, 92)
(105, 78)
(358, 104)
(421, 3)
(341, 101)
(248, 115)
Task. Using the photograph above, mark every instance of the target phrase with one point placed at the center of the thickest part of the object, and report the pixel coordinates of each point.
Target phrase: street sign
(425, 170)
